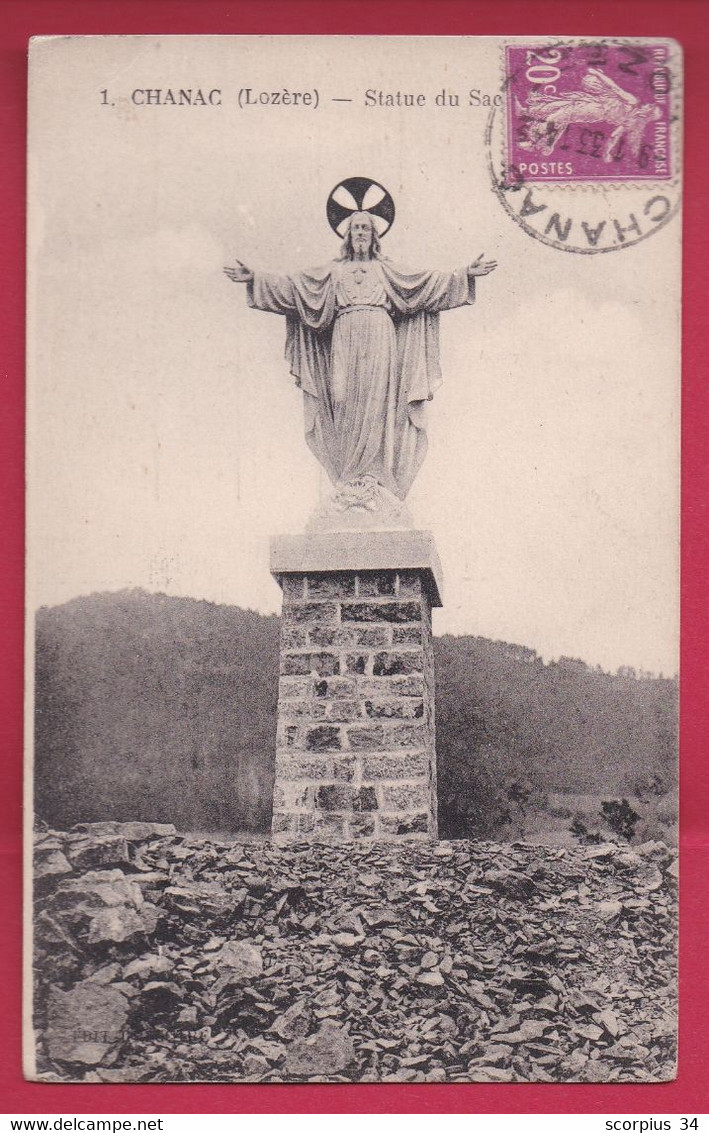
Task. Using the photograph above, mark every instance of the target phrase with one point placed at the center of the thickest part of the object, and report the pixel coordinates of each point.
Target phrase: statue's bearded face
(361, 233)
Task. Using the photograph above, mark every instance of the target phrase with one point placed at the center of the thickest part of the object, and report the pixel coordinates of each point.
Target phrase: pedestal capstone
(355, 755)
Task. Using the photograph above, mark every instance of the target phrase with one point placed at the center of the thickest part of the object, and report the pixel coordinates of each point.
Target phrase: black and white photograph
(352, 559)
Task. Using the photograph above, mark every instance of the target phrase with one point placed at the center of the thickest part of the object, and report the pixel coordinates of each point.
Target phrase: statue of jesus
(362, 344)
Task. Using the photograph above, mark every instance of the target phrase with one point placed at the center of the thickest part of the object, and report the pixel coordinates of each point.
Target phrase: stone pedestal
(356, 753)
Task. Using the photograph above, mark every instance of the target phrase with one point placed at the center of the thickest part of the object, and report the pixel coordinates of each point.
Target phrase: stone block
(322, 636)
(389, 737)
(406, 635)
(302, 664)
(324, 664)
(295, 664)
(362, 826)
(304, 823)
(406, 735)
(344, 711)
(292, 688)
(406, 796)
(343, 768)
(324, 737)
(357, 663)
(335, 687)
(396, 663)
(400, 825)
(310, 613)
(372, 737)
(410, 585)
(294, 587)
(304, 710)
(412, 685)
(372, 584)
(365, 799)
(334, 796)
(293, 637)
(328, 824)
(287, 735)
(372, 636)
(403, 708)
(300, 767)
(282, 823)
(330, 585)
(298, 797)
(352, 635)
(381, 611)
(387, 688)
(408, 765)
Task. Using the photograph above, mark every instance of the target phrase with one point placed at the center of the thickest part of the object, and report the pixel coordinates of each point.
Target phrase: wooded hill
(163, 709)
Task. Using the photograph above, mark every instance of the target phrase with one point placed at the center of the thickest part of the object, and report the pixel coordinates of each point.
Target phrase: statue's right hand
(240, 273)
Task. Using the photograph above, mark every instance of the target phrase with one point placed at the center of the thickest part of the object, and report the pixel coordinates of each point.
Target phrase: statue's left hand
(481, 267)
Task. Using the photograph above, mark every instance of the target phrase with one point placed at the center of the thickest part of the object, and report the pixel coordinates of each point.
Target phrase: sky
(165, 434)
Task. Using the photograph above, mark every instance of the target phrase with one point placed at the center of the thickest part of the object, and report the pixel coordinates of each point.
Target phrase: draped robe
(362, 344)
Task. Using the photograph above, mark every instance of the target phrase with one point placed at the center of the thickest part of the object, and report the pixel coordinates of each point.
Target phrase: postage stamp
(584, 146)
(589, 112)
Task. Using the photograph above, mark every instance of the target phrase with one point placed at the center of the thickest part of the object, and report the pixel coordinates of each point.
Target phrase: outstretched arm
(434, 291)
(265, 290)
(307, 295)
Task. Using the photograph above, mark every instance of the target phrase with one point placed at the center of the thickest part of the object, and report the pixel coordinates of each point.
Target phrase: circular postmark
(584, 152)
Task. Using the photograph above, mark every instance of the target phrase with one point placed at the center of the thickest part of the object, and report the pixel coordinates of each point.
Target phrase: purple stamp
(593, 112)
(584, 147)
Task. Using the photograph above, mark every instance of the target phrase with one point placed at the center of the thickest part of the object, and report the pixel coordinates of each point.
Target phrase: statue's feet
(362, 504)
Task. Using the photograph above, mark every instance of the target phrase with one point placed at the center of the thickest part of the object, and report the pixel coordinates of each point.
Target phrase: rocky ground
(163, 958)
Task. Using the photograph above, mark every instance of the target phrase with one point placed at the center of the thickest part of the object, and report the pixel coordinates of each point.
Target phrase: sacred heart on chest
(362, 284)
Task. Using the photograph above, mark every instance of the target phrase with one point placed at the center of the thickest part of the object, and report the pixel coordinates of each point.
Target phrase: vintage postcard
(352, 597)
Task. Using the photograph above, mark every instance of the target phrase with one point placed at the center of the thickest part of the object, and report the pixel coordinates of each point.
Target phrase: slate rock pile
(161, 957)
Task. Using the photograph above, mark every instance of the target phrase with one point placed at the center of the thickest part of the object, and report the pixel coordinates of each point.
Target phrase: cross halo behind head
(360, 194)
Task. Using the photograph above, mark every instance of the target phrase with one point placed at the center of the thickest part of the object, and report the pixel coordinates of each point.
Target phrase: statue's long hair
(347, 251)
